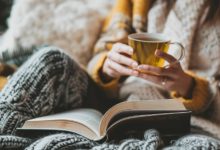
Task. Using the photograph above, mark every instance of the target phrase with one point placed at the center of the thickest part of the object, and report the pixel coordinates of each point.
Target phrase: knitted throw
(50, 81)
(65, 141)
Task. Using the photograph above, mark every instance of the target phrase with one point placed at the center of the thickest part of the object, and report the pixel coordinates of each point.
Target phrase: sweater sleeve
(94, 68)
(116, 28)
(202, 95)
(139, 19)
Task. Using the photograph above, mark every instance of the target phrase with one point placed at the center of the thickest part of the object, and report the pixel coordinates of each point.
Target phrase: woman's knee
(49, 54)
(51, 57)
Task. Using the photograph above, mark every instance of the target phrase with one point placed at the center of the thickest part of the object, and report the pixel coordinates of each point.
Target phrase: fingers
(122, 48)
(121, 59)
(165, 56)
(119, 63)
(157, 70)
(112, 73)
(120, 69)
(164, 81)
(152, 78)
(118, 55)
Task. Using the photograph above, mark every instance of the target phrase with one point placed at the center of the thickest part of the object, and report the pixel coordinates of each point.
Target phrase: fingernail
(134, 65)
(131, 50)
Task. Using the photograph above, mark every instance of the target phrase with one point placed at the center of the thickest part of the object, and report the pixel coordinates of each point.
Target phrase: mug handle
(182, 53)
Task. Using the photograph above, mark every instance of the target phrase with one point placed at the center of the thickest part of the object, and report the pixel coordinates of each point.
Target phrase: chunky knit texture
(48, 81)
(151, 141)
(14, 142)
(62, 141)
(51, 81)
(194, 142)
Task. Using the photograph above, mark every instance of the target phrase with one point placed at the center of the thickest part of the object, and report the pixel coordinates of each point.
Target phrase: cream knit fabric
(73, 25)
(182, 22)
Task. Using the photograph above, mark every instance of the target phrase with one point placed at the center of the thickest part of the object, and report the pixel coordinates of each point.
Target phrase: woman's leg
(49, 81)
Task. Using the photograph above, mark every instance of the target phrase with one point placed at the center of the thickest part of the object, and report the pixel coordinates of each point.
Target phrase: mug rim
(161, 38)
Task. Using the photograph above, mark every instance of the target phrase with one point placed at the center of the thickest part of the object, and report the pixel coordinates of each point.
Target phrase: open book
(168, 116)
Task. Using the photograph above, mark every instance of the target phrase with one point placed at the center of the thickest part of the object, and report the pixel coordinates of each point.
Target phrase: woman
(50, 81)
(194, 81)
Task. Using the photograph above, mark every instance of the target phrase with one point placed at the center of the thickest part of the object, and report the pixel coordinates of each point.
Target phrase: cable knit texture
(48, 81)
(61, 141)
(66, 141)
(51, 81)
(14, 142)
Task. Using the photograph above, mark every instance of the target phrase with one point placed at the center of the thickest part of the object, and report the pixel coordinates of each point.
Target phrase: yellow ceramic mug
(145, 45)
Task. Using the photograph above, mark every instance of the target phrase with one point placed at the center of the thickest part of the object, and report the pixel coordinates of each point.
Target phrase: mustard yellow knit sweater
(130, 16)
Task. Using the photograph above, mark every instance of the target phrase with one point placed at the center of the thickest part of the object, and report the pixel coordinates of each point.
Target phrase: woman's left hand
(172, 78)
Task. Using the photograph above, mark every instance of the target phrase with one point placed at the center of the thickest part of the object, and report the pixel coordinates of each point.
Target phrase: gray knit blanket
(50, 81)
(151, 141)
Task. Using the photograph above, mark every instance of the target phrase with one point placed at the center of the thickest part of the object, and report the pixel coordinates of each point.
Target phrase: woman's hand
(119, 62)
(172, 78)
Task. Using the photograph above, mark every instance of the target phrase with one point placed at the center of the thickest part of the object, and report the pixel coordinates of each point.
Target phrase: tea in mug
(144, 49)
(145, 45)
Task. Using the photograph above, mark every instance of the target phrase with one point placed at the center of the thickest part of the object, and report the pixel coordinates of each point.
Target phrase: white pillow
(73, 25)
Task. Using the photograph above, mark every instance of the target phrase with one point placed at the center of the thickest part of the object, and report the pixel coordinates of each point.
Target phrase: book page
(88, 117)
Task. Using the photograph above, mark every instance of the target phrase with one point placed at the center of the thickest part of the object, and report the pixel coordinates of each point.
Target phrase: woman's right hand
(119, 63)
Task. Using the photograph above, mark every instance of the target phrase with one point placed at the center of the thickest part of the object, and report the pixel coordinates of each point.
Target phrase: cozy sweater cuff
(94, 70)
(199, 101)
